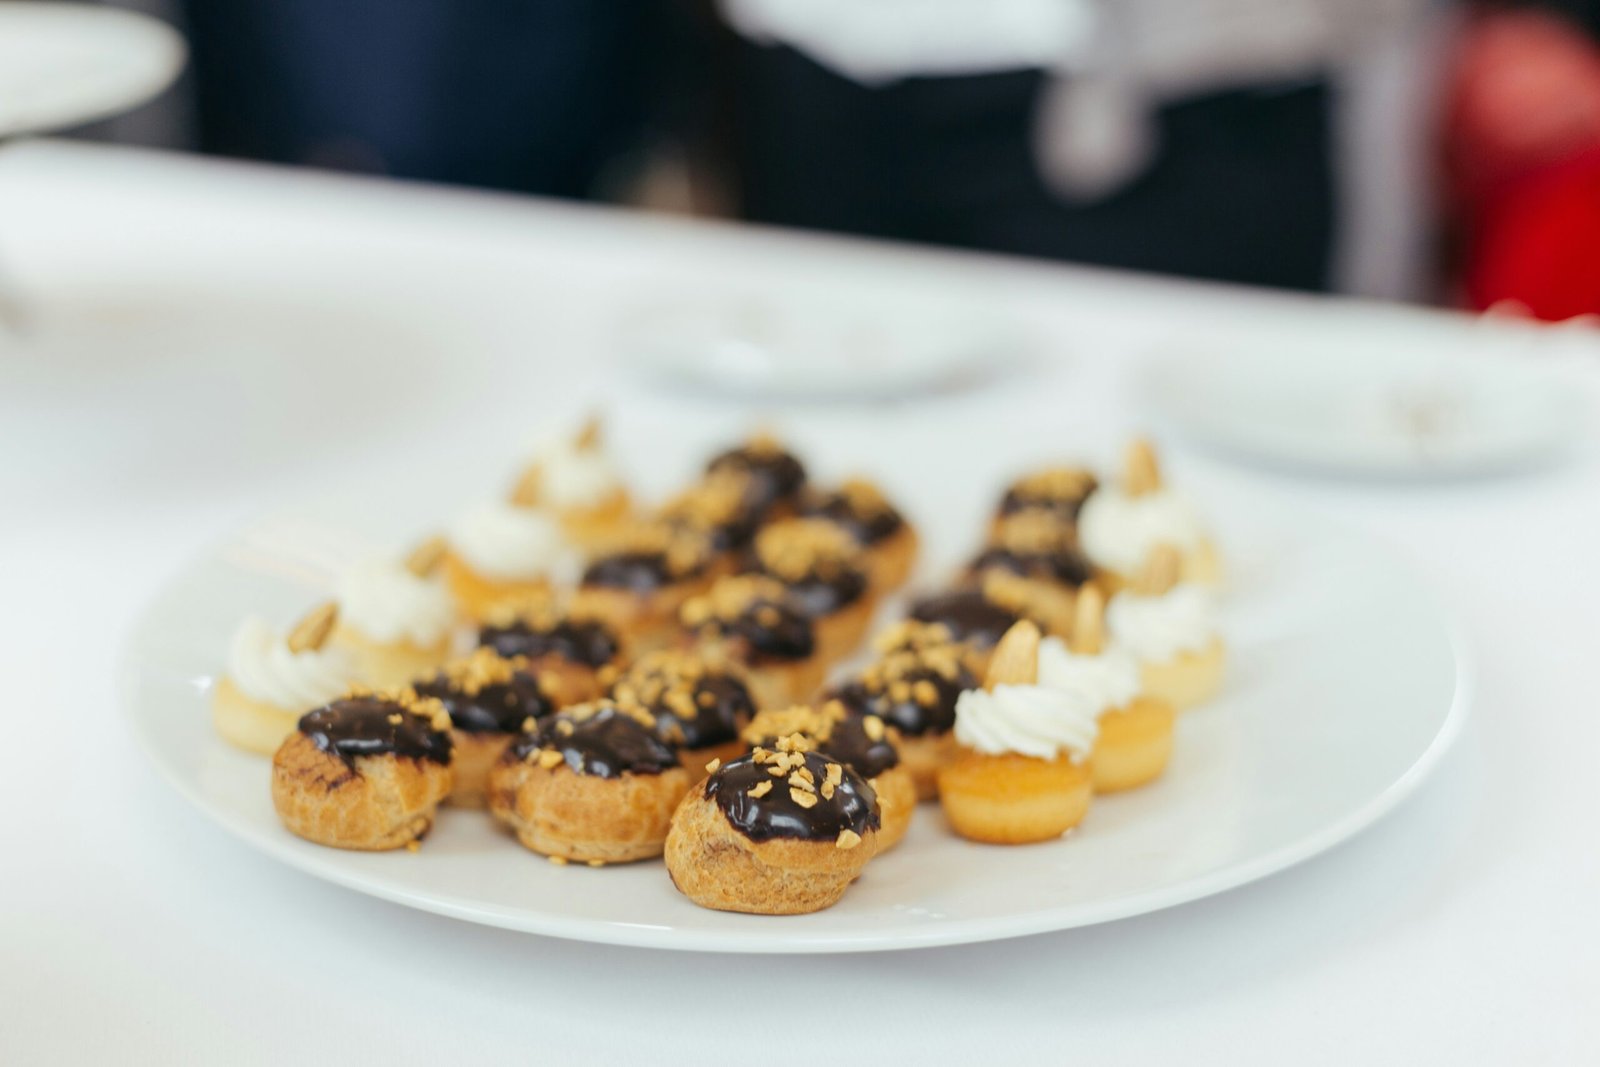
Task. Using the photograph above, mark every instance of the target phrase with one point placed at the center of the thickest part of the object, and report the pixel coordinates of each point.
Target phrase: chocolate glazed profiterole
(698, 700)
(490, 700)
(1058, 490)
(366, 771)
(751, 619)
(567, 650)
(978, 616)
(914, 686)
(775, 476)
(639, 585)
(861, 742)
(825, 573)
(778, 832)
(592, 783)
(1035, 544)
(860, 509)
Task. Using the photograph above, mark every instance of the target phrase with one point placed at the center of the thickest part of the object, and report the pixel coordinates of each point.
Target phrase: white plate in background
(64, 64)
(811, 341)
(1361, 401)
(1346, 686)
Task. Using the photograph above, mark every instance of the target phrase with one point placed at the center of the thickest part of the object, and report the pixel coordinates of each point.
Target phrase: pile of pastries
(693, 680)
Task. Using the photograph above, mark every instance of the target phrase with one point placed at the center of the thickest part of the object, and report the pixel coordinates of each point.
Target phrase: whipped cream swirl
(262, 668)
(1159, 628)
(574, 475)
(1119, 531)
(384, 601)
(1109, 680)
(503, 541)
(1028, 720)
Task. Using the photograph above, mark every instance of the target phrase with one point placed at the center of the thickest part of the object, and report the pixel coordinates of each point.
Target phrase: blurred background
(1418, 150)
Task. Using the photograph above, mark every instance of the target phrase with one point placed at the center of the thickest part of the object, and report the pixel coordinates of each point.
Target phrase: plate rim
(746, 942)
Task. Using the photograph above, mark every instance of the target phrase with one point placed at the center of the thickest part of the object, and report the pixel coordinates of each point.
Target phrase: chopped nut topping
(530, 724)
(873, 727)
(797, 549)
(799, 781)
(396, 719)
(559, 861)
(711, 768)
(585, 712)
(802, 798)
(484, 667)
(720, 499)
(827, 790)
(835, 774)
(682, 550)
(426, 557)
(848, 839)
(909, 634)
(549, 758)
(1055, 483)
(313, 631)
(863, 497)
(760, 789)
(796, 729)
(731, 598)
(1048, 605)
(1035, 533)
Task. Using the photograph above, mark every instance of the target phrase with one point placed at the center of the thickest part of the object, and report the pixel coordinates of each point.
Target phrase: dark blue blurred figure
(528, 95)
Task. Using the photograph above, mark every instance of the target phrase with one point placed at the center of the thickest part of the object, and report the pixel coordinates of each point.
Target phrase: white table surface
(214, 340)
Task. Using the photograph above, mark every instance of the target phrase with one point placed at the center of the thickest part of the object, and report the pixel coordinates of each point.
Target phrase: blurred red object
(1538, 242)
(1522, 160)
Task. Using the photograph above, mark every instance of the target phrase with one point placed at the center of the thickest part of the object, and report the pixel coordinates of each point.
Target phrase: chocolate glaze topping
(1035, 544)
(775, 475)
(719, 508)
(723, 706)
(912, 696)
(501, 705)
(772, 631)
(364, 725)
(693, 705)
(1068, 566)
(967, 614)
(817, 560)
(654, 556)
(583, 641)
(600, 740)
(867, 517)
(852, 804)
(756, 613)
(818, 595)
(1061, 492)
(638, 572)
(850, 739)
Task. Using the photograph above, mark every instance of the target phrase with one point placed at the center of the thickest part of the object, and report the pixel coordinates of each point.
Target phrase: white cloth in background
(1117, 60)
(878, 41)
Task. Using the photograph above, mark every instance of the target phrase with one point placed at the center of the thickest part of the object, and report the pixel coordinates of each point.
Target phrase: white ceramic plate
(67, 64)
(1346, 687)
(1387, 402)
(814, 341)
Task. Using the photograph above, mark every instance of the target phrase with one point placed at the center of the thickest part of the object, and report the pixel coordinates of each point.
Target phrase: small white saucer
(819, 342)
(1350, 400)
(66, 64)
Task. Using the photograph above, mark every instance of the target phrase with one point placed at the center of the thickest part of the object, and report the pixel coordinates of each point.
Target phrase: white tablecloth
(222, 339)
